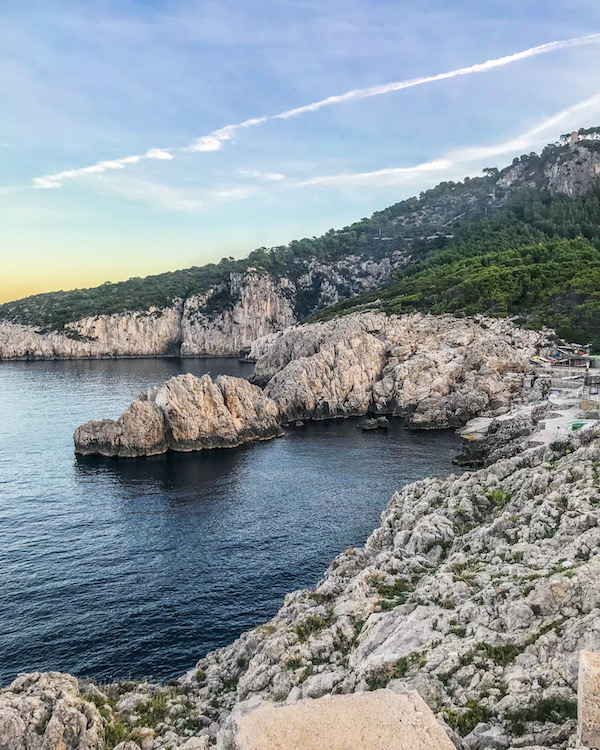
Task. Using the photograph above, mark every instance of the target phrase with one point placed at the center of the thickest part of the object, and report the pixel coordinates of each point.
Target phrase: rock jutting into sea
(185, 414)
(436, 371)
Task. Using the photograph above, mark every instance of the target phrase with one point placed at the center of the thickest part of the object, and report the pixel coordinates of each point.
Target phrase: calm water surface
(129, 568)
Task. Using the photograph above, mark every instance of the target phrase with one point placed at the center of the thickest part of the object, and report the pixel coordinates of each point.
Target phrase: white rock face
(185, 414)
(439, 371)
(134, 334)
(261, 307)
(45, 711)
(573, 172)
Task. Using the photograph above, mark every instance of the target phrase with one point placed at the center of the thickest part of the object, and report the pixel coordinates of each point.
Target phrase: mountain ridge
(307, 275)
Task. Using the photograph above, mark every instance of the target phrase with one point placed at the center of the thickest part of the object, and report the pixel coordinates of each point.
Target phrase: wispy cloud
(55, 180)
(363, 177)
(257, 174)
(568, 117)
(214, 141)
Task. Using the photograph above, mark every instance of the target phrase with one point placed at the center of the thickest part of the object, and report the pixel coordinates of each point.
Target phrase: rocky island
(185, 414)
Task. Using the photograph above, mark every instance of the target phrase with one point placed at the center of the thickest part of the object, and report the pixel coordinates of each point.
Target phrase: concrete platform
(379, 720)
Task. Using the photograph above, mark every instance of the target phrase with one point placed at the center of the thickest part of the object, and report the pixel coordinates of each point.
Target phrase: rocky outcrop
(572, 171)
(438, 371)
(46, 711)
(185, 414)
(478, 591)
(256, 305)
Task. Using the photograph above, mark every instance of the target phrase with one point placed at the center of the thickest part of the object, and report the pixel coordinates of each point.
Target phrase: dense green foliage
(412, 226)
(538, 259)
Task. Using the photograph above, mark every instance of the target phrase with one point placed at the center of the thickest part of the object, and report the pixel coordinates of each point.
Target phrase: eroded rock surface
(46, 711)
(185, 414)
(438, 371)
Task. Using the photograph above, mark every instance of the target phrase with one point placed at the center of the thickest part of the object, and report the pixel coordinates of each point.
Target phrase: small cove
(116, 568)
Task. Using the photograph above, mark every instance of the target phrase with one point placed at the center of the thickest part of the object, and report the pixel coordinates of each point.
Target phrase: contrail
(214, 141)
(387, 88)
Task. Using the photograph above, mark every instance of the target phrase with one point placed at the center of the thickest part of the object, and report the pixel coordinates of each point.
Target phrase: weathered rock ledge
(436, 371)
(185, 414)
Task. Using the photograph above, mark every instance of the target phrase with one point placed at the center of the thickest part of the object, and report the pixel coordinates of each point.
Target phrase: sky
(141, 137)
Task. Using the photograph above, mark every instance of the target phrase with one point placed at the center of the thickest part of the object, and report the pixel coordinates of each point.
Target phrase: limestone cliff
(257, 306)
(220, 322)
(148, 333)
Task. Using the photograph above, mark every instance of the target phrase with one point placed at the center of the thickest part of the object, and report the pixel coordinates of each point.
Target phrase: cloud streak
(214, 141)
(530, 139)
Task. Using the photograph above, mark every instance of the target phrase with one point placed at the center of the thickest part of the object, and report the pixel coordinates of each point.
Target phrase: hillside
(538, 259)
(487, 244)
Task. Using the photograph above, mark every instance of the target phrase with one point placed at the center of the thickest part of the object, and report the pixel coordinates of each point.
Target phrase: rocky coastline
(435, 371)
(477, 591)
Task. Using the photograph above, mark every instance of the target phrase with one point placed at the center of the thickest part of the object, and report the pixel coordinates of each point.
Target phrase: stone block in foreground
(380, 720)
(589, 700)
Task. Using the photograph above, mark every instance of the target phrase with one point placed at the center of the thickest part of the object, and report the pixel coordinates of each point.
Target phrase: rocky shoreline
(477, 591)
(435, 371)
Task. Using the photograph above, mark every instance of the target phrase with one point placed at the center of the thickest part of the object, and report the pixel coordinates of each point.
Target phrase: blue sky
(140, 93)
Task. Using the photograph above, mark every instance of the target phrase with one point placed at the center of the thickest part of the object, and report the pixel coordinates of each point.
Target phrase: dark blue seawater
(128, 568)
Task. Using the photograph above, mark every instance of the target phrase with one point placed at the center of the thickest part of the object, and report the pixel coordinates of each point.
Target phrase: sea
(131, 568)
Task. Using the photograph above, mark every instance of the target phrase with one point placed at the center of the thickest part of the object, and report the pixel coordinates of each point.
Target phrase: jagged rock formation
(45, 711)
(438, 371)
(185, 414)
(573, 171)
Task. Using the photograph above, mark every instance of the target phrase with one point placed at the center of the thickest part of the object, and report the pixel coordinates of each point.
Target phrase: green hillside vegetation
(404, 224)
(434, 233)
(539, 260)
